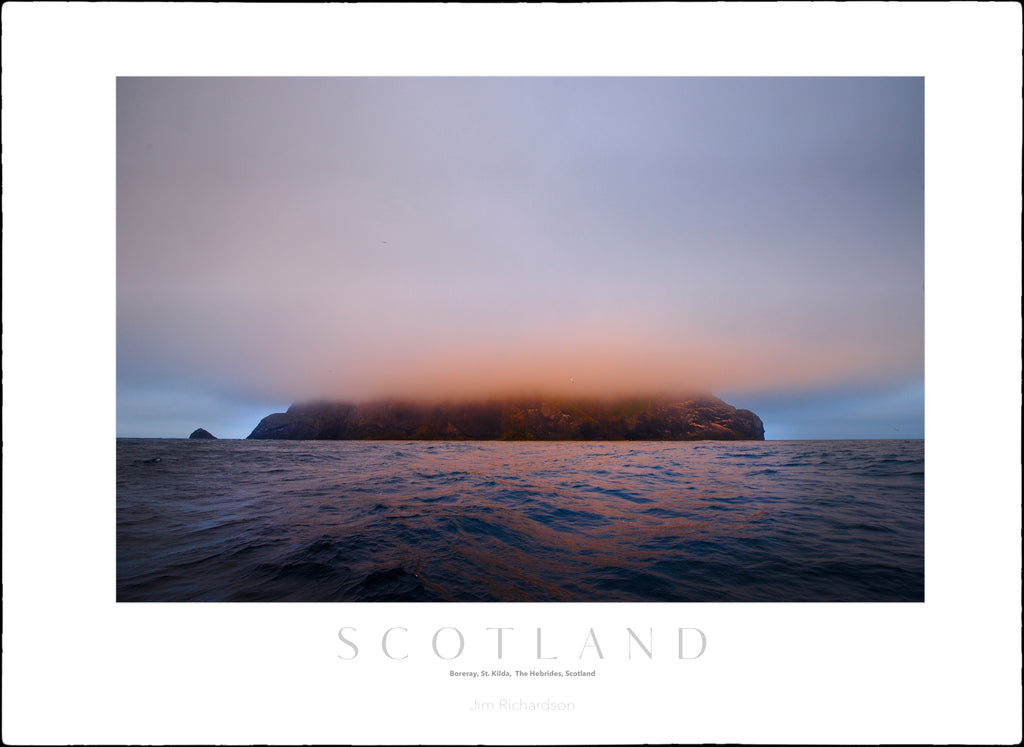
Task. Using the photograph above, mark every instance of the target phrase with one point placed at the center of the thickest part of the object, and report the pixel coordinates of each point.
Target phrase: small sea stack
(202, 433)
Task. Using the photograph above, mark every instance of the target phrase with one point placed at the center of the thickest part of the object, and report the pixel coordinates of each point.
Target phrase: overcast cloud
(285, 239)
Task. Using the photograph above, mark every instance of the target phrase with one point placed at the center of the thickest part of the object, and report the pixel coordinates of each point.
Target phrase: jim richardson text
(518, 704)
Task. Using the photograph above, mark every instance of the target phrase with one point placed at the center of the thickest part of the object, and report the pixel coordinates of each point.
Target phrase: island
(697, 418)
(201, 433)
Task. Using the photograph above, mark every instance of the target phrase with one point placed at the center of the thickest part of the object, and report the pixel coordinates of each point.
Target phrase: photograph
(520, 339)
(534, 374)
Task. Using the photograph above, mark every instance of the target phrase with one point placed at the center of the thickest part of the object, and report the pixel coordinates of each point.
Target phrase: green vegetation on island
(524, 419)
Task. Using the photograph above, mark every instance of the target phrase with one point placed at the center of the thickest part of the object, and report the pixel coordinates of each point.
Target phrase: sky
(289, 239)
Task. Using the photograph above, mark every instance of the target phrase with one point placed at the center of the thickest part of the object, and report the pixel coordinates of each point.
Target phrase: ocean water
(322, 521)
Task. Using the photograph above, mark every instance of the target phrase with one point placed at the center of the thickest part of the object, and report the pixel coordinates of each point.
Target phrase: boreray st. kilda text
(448, 643)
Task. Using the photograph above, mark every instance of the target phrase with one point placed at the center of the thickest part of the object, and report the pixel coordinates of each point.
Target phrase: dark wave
(488, 521)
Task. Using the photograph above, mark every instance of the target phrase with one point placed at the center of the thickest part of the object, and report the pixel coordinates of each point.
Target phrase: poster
(79, 667)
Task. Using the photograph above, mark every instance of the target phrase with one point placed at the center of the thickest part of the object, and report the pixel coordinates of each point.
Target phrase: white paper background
(77, 667)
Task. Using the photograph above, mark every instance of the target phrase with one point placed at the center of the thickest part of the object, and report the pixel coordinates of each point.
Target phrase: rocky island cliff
(628, 419)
